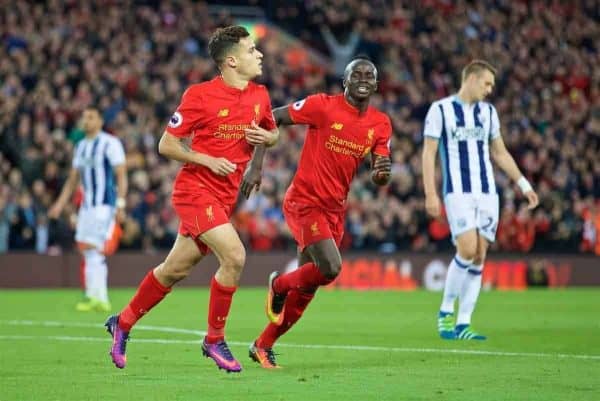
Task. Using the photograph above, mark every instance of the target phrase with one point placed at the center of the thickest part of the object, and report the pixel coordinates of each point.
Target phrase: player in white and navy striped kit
(465, 131)
(99, 162)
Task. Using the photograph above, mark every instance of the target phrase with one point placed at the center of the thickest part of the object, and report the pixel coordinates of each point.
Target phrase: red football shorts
(198, 213)
(310, 224)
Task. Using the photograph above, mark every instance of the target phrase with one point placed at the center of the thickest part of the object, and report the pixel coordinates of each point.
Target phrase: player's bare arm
(432, 200)
(282, 116)
(261, 139)
(506, 162)
(67, 190)
(174, 148)
(381, 170)
(253, 174)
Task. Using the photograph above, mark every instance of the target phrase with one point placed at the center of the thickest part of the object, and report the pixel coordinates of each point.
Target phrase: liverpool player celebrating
(343, 129)
(215, 114)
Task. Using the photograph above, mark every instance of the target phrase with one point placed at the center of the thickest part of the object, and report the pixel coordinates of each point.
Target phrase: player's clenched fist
(221, 166)
(382, 170)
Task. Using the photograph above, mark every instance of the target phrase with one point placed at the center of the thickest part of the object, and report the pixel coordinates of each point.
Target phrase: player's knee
(235, 259)
(174, 272)
(330, 268)
(178, 275)
(468, 252)
(467, 245)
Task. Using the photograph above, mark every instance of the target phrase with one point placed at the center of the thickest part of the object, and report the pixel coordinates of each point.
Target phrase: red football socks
(295, 304)
(149, 293)
(218, 309)
(306, 277)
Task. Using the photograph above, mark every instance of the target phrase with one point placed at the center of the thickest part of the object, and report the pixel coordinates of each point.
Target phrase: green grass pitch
(543, 345)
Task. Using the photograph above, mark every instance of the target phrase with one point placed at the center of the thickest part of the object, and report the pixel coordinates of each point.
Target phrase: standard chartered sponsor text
(236, 131)
(344, 146)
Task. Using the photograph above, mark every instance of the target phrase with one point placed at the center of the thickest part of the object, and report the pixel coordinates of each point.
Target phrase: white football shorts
(472, 211)
(95, 225)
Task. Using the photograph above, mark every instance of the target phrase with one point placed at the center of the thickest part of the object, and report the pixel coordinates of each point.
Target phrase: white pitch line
(305, 346)
(98, 325)
(98, 339)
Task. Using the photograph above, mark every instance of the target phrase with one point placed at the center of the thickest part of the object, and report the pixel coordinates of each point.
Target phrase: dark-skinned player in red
(342, 130)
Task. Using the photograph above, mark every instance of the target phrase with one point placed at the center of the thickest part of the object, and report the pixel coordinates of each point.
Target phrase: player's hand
(120, 217)
(382, 170)
(433, 206)
(252, 179)
(259, 136)
(532, 199)
(54, 211)
(383, 164)
(221, 166)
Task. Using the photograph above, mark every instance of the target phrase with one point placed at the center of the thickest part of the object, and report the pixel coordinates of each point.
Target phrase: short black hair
(359, 57)
(95, 109)
(223, 40)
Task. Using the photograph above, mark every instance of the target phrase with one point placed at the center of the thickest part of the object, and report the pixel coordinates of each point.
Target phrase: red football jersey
(216, 115)
(337, 141)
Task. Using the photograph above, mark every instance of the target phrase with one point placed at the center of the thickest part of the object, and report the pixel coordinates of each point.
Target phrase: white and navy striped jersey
(95, 159)
(464, 132)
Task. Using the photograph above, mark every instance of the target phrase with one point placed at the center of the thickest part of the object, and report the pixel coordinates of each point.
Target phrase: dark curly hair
(223, 40)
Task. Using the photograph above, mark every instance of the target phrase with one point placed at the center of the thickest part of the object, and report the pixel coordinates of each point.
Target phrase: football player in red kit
(215, 114)
(342, 131)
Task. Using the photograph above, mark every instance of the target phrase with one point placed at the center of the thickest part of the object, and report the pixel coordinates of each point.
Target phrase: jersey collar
(230, 89)
(351, 109)
(462, 103)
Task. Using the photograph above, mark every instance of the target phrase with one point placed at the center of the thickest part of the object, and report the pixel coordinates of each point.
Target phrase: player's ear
(230, 61)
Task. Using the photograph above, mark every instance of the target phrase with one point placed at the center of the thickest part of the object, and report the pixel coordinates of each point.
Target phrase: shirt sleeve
(187, 114)
(268, 120)
(433, 122)
(309, 111)
(77, 155)
(115, 152)
(383, 145)
(494, 123)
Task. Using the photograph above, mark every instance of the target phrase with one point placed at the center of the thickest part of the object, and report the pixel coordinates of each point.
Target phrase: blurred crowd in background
(134, 59)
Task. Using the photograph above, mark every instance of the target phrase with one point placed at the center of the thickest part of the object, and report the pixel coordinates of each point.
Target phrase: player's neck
(234, 80)
(464, 96)
(360, 105)
(92, 135)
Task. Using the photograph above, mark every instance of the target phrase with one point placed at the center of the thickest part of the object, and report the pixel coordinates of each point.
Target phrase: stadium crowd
(134, 59)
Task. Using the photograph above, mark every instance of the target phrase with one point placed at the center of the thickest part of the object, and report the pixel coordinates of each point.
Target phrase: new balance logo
(314, 228)
(337, 126)
(223, 113)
